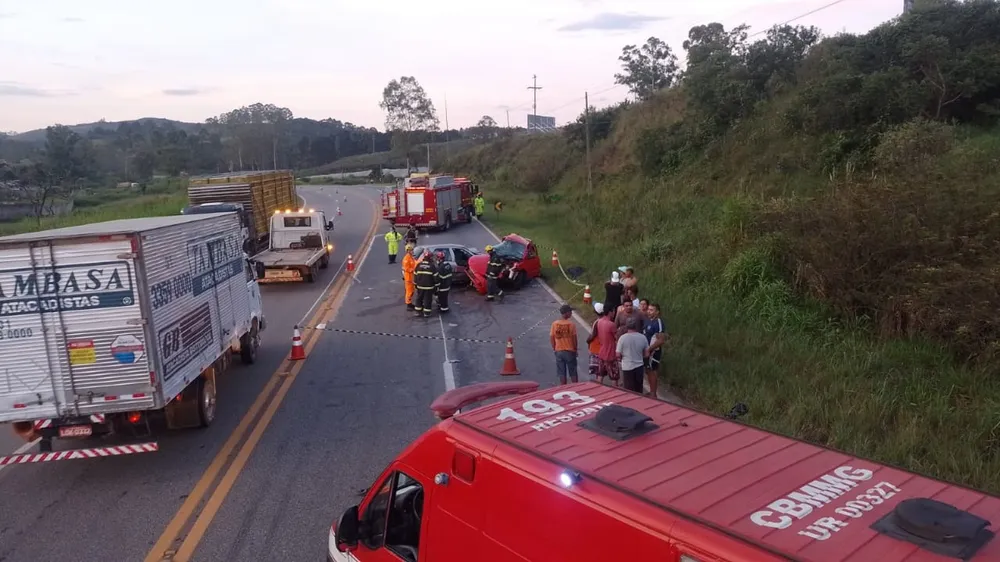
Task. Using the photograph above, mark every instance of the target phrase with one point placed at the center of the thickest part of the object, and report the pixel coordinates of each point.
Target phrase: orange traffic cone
(586, 295)
(509, 365)
(350, 263)
(298, 352)
(555, 259)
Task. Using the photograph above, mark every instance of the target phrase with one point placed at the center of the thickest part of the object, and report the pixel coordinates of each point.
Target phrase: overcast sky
(73, 62)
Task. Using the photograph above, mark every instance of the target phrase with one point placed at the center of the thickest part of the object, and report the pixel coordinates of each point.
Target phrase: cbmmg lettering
(781, 513)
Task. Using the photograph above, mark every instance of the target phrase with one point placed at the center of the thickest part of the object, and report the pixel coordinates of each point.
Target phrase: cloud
(7, 15)
(612, 22)
(184, 91)
(72, 19)
(15, 89)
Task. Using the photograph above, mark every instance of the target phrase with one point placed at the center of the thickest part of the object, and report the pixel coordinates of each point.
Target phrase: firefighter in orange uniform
(409, 265)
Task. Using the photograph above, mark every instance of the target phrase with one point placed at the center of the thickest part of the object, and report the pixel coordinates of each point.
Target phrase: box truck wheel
(249, 344)
(206, 400)
(324, 262)
(312, 273)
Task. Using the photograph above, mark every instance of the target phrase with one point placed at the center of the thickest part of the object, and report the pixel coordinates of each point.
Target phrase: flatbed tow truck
(299, 246)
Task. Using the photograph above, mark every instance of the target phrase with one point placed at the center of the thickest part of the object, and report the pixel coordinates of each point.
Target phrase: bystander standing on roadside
(644, 307)
(604, 332)
(613, 291)
(563, 337)
(625, 312)
(594, 344)
(632, 349)
(630, 282)
(656, 336)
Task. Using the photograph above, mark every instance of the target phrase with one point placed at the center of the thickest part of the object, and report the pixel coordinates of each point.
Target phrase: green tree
(409, 113)
(647, 69)
(485, 129)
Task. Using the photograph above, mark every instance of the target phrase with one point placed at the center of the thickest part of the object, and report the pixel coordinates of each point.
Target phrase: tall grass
(742, 331)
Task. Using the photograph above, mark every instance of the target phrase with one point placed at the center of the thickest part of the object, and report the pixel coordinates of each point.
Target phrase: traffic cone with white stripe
(350, 263)
(586, 295)
(555, 259)
(509, 365)
(338, 212)
(298, 352)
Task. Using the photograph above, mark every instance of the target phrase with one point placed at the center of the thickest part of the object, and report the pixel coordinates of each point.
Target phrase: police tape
(394, 335)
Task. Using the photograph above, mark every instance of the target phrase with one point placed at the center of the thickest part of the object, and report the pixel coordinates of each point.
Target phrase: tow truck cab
(299, 246)
(587, 472)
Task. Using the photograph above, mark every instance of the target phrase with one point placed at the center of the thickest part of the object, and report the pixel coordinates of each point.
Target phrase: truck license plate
(75, 431)
(282, 274)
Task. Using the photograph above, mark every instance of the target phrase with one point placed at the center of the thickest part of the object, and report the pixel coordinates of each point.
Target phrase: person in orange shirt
(562, 336)
(409, 265)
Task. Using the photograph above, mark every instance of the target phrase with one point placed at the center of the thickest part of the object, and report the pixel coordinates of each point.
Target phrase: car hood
(478, 263)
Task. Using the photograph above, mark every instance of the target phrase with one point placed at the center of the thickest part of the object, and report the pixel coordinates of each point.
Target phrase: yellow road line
(285, 375)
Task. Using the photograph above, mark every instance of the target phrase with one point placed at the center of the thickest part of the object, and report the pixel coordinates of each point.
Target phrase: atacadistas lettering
(66, 288)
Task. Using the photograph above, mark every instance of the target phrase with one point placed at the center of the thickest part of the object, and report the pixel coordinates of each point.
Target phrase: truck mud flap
(74, 454)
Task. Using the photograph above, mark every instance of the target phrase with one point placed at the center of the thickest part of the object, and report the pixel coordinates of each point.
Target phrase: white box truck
(105, 325)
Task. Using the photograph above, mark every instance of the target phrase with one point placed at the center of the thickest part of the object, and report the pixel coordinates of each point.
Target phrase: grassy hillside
(162, 198)
(821, 228)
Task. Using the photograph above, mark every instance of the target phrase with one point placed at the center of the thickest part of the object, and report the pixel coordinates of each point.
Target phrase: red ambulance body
(586, 472)
(429, 202)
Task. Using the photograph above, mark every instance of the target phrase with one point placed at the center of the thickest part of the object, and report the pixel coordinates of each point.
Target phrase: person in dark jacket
(424, 278)
(411, 235)
(444, 274)
(493, 270)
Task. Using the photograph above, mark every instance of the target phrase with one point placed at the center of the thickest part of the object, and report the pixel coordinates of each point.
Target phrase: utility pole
(428, 157)
(508, 118)
(586, 112)
(447, 135)
(534, 96)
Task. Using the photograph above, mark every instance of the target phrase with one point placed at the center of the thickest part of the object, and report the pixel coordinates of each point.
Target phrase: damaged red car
(521, 263)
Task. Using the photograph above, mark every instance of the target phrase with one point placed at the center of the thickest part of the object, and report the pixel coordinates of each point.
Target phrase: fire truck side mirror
(347, 530)
(329, 225)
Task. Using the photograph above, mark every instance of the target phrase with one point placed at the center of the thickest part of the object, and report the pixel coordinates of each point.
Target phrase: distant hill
(38, 135)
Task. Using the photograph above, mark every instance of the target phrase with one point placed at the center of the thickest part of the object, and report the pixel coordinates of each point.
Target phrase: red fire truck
(428, 202)
(587, 472)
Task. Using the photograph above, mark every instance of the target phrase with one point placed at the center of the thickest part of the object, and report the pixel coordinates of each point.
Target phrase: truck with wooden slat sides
(108, 329)
(253, 195)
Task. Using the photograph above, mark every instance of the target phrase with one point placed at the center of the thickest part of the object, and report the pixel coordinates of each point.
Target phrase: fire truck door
(394, 519)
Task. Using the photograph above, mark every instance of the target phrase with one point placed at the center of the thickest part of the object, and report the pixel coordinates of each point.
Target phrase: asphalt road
(357, 401)
(360, 399)
(115, 508)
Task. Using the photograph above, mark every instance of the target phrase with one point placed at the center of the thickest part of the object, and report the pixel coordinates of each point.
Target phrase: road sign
(498, 206)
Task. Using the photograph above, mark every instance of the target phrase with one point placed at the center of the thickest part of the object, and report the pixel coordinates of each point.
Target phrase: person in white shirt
(632, 352)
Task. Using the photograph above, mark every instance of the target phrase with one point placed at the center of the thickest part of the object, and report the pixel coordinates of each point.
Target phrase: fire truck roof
(786, 496)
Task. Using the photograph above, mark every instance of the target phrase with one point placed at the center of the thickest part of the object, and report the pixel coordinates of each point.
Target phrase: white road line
(20, 451)
(449, 370)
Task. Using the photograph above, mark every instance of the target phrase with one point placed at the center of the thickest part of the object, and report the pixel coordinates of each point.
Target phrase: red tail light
(134, 417)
